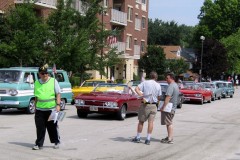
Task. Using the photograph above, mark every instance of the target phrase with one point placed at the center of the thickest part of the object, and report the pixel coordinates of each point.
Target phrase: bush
(75, 81)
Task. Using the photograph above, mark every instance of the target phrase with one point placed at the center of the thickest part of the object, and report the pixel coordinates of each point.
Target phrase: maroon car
(108, 98)
(195, 92)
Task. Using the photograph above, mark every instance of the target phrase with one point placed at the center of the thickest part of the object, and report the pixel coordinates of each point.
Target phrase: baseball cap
(43, 69)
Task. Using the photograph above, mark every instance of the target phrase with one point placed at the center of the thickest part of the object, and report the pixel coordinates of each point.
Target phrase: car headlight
(111, 104)
(79, 101)
(13, 92)
(198, 95)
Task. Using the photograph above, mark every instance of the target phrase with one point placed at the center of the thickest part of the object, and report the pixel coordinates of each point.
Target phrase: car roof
(26, 69)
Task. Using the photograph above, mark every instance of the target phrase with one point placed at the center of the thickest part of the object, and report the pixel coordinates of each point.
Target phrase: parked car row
(206, 91)
(111, 98)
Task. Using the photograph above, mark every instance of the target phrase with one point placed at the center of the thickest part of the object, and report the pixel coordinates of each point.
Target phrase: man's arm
(166, 101)
(138, 91)
(58, 96)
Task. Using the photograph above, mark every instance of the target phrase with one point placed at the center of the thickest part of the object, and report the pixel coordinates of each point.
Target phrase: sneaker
(56, 146)
(136, 140)
(147, 142)
(166, 140)
(36, 147)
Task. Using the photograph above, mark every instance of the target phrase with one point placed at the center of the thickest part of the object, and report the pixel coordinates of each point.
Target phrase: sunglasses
(43, 73)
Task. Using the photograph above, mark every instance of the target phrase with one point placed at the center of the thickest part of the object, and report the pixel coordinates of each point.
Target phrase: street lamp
(200, 72)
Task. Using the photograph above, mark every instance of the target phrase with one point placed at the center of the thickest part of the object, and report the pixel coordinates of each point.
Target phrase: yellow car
(87, 86)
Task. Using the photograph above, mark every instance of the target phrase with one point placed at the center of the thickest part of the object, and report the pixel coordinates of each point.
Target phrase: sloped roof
(172, 52)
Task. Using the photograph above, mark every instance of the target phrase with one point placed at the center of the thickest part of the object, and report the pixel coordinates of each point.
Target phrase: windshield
(9, 76)
(108, 87)
(193, 86)
(91, 83)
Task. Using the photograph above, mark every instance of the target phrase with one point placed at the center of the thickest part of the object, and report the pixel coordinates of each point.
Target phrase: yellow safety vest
(45, 94)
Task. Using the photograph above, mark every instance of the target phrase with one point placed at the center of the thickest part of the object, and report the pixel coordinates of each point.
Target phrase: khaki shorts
(147, 112)
(166, 118)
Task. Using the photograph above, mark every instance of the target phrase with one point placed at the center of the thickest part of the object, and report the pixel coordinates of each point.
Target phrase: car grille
(3, 92)
(188, 95)
(94, 102)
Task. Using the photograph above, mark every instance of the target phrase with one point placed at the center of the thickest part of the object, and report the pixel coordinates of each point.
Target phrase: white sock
(148, 136)
(138, 135)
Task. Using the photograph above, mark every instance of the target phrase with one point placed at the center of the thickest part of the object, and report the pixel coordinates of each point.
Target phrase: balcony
(137, 24)
(120, 46)
(144, 7)
(136, 52)
(40, 3)
(118, 17)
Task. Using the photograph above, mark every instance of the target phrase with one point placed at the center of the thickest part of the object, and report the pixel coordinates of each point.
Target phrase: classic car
(214, 87)
(164, 86)
(87, 86)
(195, 92)
(108, 98)
(228, 89)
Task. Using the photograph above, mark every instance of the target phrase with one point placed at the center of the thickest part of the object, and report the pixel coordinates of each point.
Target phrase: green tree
(163, 33)
(153, 60)
(214, 59)
(23, 36)
(232, 45)
(177, 66)
(219, 17)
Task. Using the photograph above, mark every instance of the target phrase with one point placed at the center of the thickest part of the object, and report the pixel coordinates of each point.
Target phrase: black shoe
(147, 142)
(136, 140)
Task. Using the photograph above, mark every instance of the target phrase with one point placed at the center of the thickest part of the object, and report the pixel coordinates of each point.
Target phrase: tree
(177, 66)
(153, 60)
(232, 45)
(163, 33)
(214, 59)
(169, 33)
(220, 17)
(23, 37)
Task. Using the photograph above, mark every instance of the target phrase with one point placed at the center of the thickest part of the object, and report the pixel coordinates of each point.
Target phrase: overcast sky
(181, 11)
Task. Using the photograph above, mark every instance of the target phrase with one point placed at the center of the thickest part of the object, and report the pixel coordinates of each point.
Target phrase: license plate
(187, 99)
(93, 108)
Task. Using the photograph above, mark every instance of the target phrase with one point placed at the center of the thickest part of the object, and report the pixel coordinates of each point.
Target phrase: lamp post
(200, 72)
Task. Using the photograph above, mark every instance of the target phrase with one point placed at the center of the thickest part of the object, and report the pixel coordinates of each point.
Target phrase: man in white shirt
(151, 92)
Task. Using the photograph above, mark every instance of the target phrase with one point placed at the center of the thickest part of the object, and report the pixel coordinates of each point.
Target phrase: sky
(181, 11)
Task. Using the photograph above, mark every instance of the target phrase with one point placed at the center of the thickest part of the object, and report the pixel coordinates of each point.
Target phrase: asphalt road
(201, 132)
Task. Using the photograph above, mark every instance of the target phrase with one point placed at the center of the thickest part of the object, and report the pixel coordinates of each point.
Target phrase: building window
(143, 22)
(130, 14)
(143, 1)
(142, 46)
(105, 3)
(129, 42)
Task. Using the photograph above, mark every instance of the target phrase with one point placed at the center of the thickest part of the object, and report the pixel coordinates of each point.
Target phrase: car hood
(110, 96)
(8, 86)
(185, 91)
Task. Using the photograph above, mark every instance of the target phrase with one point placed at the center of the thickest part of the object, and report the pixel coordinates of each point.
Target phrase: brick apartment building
(129, 16)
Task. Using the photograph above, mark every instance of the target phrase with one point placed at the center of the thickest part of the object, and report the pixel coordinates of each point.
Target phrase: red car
(195, 92)
(108, 98)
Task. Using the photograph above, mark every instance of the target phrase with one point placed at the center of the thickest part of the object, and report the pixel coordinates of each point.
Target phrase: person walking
(171, 96)
(150, 90)
(47, 99)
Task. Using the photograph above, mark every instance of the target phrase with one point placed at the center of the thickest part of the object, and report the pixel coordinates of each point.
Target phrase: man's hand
(58, 108)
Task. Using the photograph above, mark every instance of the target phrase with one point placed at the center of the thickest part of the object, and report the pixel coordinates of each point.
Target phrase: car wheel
(63, 104)
(202, 101)
(213, 98)
(231, 96)
(31, 107)
(180, 104)
(220, 97)
(81, 114)
(0, 110)
(121, 115)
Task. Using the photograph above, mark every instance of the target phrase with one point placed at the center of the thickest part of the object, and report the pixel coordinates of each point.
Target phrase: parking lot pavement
(201, 132)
